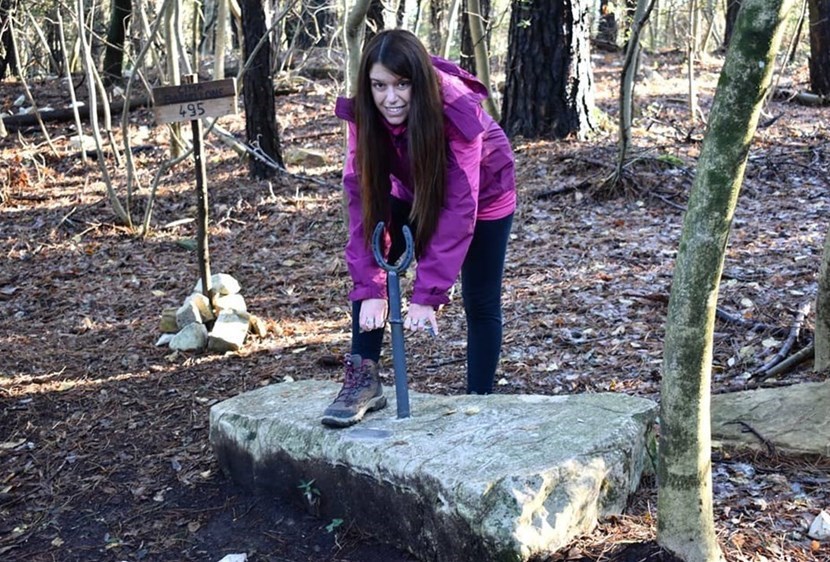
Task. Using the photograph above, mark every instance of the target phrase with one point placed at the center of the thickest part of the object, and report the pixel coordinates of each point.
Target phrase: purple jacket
(480, 186)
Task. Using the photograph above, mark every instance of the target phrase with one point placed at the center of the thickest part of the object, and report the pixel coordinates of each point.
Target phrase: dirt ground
(104, 450)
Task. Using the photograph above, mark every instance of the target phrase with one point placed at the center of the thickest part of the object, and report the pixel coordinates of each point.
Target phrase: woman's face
(391, 94)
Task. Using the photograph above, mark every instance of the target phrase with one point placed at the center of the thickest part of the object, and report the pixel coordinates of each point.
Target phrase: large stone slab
(499, 477)
(793, 419)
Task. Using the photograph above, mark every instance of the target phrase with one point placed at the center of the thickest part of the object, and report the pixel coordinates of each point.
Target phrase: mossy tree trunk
(684, 511)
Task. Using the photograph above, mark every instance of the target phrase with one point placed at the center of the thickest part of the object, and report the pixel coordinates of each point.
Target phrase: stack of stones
(220, 323)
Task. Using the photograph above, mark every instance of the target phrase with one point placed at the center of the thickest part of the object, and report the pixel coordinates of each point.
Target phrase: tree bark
(467, 47)
(114, 54)
(607, 28)
(822, 337)
(258, 90)
(548, 74)
(374, 19)
(482, 55)
(684, 510)
(437, 24)
(8, 66)
(732, 8)
(353, 30)
(221, 38)
(820, 47)
(627, 81)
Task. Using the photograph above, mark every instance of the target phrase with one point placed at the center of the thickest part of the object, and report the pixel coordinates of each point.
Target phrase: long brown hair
(402, 54)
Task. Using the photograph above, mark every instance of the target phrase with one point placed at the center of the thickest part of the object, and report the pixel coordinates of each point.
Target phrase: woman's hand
(372, 314)
(421, 317)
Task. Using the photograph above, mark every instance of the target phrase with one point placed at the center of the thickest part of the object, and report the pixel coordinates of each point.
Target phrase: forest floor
(104, 451)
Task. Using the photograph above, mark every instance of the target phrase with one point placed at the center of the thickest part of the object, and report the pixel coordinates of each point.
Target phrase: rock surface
(499, 477)
(793, 419)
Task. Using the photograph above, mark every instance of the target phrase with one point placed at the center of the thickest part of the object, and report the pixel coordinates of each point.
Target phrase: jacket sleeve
(442, 258)
(369, 280)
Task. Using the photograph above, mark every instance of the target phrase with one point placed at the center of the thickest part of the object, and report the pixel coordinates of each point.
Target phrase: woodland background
(103, 435)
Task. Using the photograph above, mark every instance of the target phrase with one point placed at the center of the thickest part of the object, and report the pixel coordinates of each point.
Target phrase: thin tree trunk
(120, 212)
(261, 129)
(732, 9)
(28, 92)
(627, 79)
(820, 47)
(53, 64)
(797, 35)
(684, 510)
(221, 40)
(78, 125)
(691, 53)
(453, 15)
(822, 337)
(353, 31)
(114, 55)
(467, 45)
(174, 73)
(481, 55)
(8, 58)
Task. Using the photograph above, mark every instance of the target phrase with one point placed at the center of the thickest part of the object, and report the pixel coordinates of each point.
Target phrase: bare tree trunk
(222, 22)
(374, 19)
(114, 55)
(437, 24)
(481, 55)
(120, 212)
(627, 79)
(822, 337)
(258, 90)
(453, 14)
(548, 91)
(654, 26)
(353, 31)
(174, 73)
(78, 125)
(684, 510)
(797, 35)
(732, 8)
(7, 46)
(691, 53)
(467, 45)
(820, 47)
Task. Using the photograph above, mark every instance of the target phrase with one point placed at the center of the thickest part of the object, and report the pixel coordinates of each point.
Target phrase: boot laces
(356, 379)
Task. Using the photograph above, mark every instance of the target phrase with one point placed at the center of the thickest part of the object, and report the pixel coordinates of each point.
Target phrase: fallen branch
(730, 318)
(802, 98)
(61, 115)
(795, 359)
(795, 330)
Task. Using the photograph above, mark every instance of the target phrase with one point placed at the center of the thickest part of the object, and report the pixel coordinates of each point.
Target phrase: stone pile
(219, 324)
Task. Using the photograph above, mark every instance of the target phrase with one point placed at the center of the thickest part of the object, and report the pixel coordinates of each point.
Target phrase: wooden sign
(195, 101)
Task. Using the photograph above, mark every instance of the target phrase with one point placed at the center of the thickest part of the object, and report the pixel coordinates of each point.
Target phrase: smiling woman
(391, 94)
(422, 154)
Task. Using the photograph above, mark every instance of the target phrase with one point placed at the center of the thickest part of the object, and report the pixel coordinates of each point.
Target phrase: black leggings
(481, 281)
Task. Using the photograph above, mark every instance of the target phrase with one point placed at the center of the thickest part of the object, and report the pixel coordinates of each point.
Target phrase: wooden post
(202, 250)
(193, 102)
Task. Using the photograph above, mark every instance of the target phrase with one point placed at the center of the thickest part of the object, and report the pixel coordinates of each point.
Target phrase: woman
(422, 152)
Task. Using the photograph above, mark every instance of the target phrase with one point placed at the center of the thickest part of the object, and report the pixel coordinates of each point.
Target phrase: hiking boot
(361, 393)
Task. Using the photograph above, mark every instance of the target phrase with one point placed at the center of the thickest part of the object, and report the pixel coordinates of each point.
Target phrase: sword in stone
(393, 287)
